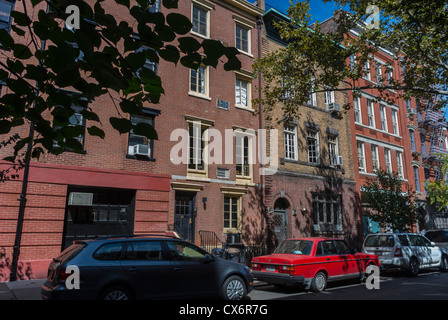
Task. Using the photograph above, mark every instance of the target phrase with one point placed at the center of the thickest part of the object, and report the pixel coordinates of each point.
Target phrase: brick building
(313, 192)
(125, 184)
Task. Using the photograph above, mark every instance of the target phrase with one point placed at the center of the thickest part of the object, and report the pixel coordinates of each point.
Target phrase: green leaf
(145, 129)
(20, 18)
(180, 23)
(21, 51)
(95, 131)
(189, 44)
(120, 124)
(170, 53)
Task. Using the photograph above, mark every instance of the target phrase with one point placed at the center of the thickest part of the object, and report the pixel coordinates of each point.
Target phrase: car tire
(234, 288)
(116, 293)
(413, 268)
(444, 264)
(319, 282)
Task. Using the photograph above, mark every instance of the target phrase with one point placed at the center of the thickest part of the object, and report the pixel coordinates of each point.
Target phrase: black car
(143, 267)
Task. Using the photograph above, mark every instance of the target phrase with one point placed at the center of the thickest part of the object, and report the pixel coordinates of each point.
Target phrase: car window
(419, 241)
(403, 239)
(380, 241)
(437, 236)
(71, 252)
(144, 250)
(109, 251)
(342, 247)
(302, 247)
(328, 247)
(185, 252)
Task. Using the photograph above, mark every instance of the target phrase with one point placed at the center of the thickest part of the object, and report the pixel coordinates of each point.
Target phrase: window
(412, 138)
(76, 120)
(5, 14)
(312, 142)
(140, 146)
(290, 142)
(357, 109)
(367, 70)
(199, 81)
(196, 146)
(375, 159)
(370, 113)
(328, 97)
(231, 212)
(150, 65)
(109, 251)
(242, 38)
(313, 100)
(400, 164)
(327, 212)
(395, 121)
(379, 72)
(361, 157)
(144, 250)
(383, 117)
(416, 179)
(333, 150)
(390, 75)
(408, 104)
(352, 62)
(155, 7)
(181, 251)
(200, 21)
(242, 93)
(242, 145)
(387, 160)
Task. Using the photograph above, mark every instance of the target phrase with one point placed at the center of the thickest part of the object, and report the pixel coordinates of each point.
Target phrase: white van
(407, 251)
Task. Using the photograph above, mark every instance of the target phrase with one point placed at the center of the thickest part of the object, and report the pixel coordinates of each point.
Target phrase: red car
(311, 262)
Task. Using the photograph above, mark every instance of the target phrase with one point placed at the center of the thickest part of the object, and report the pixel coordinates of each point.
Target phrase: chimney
(261, 4)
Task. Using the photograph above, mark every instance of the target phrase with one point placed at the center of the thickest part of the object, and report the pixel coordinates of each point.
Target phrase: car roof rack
(137, 235)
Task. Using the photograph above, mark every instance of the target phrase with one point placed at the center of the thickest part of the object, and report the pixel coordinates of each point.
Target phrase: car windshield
(302, 247)
(380, 241)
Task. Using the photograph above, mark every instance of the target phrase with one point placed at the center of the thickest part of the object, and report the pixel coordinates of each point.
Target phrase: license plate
(270, 268)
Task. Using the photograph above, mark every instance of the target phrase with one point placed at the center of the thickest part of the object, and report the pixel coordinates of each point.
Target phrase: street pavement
(21, 290)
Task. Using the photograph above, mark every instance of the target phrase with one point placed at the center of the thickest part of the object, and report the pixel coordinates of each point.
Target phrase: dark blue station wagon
(144, 267)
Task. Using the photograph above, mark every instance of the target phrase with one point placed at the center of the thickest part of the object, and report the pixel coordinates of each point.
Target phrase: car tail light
(287, 269)
(256, 266)
(63, 275)
(398, 252)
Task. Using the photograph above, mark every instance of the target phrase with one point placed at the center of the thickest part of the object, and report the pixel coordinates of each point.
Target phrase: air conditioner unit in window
(412, 111)
(80, 199)
(339, 161)
(142, 150)
(333, 107)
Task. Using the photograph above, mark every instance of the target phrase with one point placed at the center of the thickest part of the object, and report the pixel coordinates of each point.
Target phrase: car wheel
(413, 267)
(116, 293)
(234, 288)
(319, 282)
(444, 264)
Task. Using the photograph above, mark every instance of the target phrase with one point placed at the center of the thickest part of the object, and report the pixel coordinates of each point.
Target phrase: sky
(319, 10)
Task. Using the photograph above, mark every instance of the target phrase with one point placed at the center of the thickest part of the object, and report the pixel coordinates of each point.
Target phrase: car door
(434, 253)
(349, 264)
(148, 269)
(192, 274)
(420, 249)
(330, 259)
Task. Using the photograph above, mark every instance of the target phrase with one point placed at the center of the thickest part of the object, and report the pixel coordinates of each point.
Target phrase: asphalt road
(428, 285)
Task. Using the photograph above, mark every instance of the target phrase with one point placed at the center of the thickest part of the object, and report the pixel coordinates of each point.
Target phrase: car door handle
(132, 269)
(178, 269)
(328, 259)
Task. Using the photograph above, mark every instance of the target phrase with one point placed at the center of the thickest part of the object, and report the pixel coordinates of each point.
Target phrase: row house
(313, 192)
(125, 184)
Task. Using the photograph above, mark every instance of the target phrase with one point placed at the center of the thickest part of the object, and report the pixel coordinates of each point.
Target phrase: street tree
(437, 189)
(316, 59)
(390, 203)
(49, 66)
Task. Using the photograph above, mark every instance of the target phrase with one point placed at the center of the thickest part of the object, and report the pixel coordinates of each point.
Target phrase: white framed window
(387, 160)
(200, 21)
(242, 92)
(379, 72)
(242, 38)
(328, 97)
(383, 117)
(400, 164)
(375, 158)
(232, 213)
(199, 81)
(412, 138)
(333, 151)
(370, 113)
(290, 142)
(243, 152)
(196, 147)
(361, 157)
(395, 121)
(367, 75)
(6, 6)
(313, 100)
(357, 109)
(312, 142)
(416, 179)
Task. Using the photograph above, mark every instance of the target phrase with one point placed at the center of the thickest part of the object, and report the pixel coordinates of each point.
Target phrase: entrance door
(185, 214)
(280, 225)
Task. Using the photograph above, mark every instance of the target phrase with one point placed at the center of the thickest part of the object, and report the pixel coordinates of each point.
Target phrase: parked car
(407, 251)
(439, 237)
(311, 262)
(144, 267)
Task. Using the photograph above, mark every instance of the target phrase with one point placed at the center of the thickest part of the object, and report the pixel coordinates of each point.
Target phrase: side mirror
(433, 244)
(207, 258)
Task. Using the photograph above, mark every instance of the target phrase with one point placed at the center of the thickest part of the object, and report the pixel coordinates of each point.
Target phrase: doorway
(281, 219)
(185, 215)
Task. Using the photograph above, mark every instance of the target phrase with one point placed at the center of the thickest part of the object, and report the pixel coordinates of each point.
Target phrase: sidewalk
(21, 290)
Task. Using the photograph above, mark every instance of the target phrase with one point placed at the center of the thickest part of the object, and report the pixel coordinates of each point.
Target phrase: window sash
(231, 212)
(383, 118)
(242, 38)
(313, 147)
(357, 109)
(361, 157)
(290, 142)
(242, 147)
(196, 147)
(333, 149)
(375, 159)
(241, 92)
(199, 21)
(370, 113)
(395, 122)
(198, 80)
(387, 160)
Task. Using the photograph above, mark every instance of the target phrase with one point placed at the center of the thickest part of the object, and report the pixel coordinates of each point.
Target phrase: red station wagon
(311, 262)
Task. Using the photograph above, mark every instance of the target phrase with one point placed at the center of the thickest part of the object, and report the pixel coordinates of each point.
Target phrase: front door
(185, 214)
(280, 225)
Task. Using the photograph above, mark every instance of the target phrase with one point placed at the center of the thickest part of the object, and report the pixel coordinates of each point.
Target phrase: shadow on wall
(24, 270)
